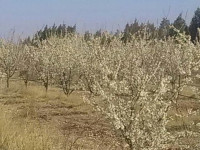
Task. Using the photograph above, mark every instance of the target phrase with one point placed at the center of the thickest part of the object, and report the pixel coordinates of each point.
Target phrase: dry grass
(23, 134)
(32, 119)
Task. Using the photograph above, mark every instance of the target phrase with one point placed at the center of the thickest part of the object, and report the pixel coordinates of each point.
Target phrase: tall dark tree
(53, 29)
(87, 36)
(61, 31)
(117, 33)
(151, 30)
(194, 25)
(131, 29)
(180, 24)
(135, 27)
(98, 33)
(127, 34)
(164, 28)
(71, 29)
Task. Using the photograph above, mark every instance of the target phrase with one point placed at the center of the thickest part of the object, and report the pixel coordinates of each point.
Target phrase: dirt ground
(67, 122)
(78, 125)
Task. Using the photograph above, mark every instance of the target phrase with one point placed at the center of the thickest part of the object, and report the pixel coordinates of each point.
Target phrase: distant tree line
(164, 31)
(59, 31)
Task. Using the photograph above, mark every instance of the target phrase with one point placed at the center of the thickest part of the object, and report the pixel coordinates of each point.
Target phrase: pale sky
(28, 16)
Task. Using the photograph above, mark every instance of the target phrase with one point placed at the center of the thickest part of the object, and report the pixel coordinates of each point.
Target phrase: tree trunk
(26, 83)
(46, 83)
(26, 80)
(46, 86)
(8, 82)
